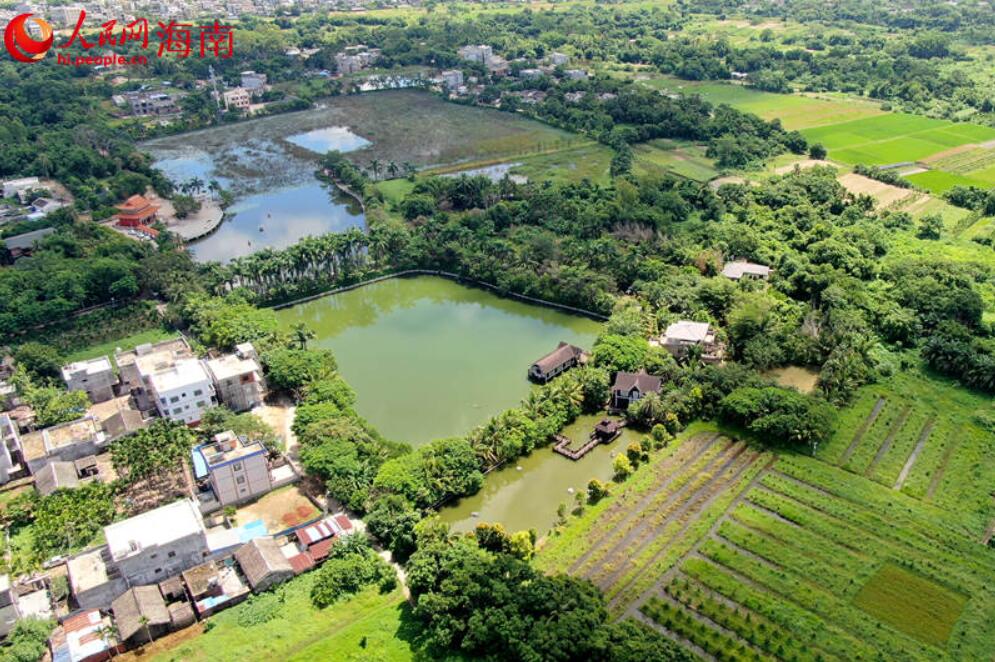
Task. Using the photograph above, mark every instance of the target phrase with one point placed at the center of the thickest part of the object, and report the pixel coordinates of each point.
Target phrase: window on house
(240, 480)
(163, 400)
(158, 570)
(237, 466)
(174, 399)
(154, 556)
(198, 392)
(171, 554)
(177, 412)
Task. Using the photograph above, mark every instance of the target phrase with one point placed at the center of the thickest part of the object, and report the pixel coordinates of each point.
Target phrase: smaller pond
(277, 219)
(320, 141)
(528, 498)
(495, 173)
(803, 379)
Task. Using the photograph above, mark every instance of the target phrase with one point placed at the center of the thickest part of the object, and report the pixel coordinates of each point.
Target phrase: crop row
(711, 639)
(817, 599)
(757, 631)
(679, 536)
(887, 425)
(651, 515)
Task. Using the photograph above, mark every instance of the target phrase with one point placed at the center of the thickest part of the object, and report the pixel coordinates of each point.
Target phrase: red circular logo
(19, 42)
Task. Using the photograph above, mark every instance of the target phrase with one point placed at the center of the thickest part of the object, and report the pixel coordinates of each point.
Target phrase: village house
(95, 376)
(66, 442)
(133, 363)
(530, 74)
(41, 207)
(452, 79)
(558, 59)
(22, 245)
(159, 543)
(316, 540)
(263, 563)
(630, 387)
(14, 187)
(238, 98)
(742, 269)
(182, 391)
(11, 455)
(561, 359)
(254, 83)
(66, 475)
(215, 585)
(480, 54)
(237, 469)
(28, 598)
(238, 378)
(575, 74)
(137, 210)
(140, 615)
(84, 637)
(681, 336)
(153, 104)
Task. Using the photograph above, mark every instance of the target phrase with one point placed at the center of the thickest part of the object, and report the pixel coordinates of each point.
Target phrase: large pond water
(278, 201)
(430, 358)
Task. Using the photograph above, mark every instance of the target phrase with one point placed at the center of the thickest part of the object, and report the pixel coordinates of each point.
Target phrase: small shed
(263, 563)
(134, 604)
(181, 615)
(54, 476)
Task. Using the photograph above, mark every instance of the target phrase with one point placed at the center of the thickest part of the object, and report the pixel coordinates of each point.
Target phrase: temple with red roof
(135, 211)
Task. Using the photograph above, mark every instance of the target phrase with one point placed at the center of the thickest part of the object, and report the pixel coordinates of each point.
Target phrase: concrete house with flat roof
(95, 376)
(11, 455)
(238, 378)
(236, 468)
(67, 442)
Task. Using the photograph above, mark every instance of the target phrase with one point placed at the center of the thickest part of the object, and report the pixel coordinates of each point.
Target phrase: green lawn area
(591, 161)
(664, 156)
(394, 190)
(913, 604)
(128, 342)
(368, 626)
(894, 138)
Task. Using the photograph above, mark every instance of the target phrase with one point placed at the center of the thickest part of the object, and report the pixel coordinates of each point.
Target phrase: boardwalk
(604, 432)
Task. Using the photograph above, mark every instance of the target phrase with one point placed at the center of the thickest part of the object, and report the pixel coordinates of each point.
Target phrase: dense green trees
(351, 566)
(779, 415)
(159, 448)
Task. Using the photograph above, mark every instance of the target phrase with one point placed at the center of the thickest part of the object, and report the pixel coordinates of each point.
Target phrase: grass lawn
(913, 604)
(394, 190)
(128, 342)
(282, 625)
(663, 156)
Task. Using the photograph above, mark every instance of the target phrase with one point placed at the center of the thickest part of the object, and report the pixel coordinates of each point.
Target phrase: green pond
(526, 494)
(430, 358)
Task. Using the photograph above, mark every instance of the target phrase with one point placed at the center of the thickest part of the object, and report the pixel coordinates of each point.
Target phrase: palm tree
(107, 634)
(409, 169)
(375, 166)
(143, 620)
(303, 334)
(214, 187)
(392, 169)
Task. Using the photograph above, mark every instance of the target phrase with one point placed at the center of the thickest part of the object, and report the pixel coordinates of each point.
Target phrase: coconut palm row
(328, 258)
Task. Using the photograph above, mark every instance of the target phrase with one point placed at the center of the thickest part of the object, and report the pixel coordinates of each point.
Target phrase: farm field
(660, 156)
(795, 111)
(939, 182)
(894, 138)
(745, 555)
(918, 435)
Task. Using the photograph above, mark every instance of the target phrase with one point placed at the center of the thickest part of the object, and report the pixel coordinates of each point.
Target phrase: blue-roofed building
(235, 468)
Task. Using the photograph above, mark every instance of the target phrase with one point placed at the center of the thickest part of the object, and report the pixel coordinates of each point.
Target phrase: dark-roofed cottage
(263, 564)
(134, 604)
(561, 359)
(629, 387)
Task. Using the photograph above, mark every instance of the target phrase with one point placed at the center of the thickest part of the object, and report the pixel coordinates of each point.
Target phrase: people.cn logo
(21, 45)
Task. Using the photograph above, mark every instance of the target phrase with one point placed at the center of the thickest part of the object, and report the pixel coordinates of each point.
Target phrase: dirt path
(934, 484)
(868, 422)
(636, 532)
(888, 441)
(636, 509)
(714, 489)
(923, 436)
